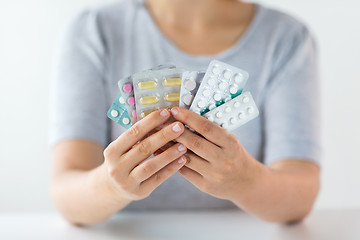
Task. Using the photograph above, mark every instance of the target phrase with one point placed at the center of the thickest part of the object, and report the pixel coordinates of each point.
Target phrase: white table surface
(321, 224)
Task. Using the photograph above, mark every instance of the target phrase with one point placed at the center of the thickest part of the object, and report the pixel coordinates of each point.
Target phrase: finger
(137, 132)
(155, 180)
(167, 123)
(197, 163)
(149, 145)
(155, 130)
(200, 145)
(207, 129)
(148, 168)
(164, 148)
(167, 145)
(192, 176)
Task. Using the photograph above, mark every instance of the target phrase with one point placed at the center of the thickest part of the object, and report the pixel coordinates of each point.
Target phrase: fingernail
(176, 128)
(174, 111)
(181, 160)
(181, 148)
(164, 113)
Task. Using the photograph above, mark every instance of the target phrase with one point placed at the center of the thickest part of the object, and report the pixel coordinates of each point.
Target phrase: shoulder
(285, 34)
(114, 14)
(282, 27)
(100, 25)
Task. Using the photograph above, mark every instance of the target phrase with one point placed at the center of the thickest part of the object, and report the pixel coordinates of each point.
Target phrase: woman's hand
(129, 175)
(217, 164)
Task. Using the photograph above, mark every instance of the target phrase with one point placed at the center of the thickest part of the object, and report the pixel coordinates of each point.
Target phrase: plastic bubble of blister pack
(234, 113)
(222, 82)
(118, 113)
(156, 89)
(127, 92)
(191, 81)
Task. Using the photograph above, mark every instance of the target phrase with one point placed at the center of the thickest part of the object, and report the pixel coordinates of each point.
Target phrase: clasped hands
(213, 160)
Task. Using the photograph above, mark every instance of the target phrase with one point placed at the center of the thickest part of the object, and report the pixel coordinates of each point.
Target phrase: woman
(269, 167)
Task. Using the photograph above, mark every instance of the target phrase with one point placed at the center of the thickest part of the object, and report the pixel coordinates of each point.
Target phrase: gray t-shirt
(102, 45)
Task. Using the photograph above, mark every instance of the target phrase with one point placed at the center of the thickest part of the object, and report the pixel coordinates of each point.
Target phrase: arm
(79, 184)
(290, 188)
(219, 165)
(88, 187)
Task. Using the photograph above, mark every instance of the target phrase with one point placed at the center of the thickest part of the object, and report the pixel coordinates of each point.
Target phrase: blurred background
(29, 31)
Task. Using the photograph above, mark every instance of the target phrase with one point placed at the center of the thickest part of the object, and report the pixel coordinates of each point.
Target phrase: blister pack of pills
(156, 89)
(222, 82)
(190, 83)
(127, 92)
(217, 94)
(118, 112)
(235, 112)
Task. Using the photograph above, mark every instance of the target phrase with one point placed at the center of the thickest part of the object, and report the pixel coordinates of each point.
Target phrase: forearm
(283, 192)
(84, 197)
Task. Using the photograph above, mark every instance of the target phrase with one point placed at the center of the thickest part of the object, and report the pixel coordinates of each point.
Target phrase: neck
(194, 14)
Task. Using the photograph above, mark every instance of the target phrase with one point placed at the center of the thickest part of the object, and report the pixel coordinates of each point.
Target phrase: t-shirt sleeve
(292, 106)
(78, 94)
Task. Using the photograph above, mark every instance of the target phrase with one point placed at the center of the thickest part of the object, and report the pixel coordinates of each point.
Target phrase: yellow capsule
(147, 85)
(172, 97)
(172, 82)
(149, 100)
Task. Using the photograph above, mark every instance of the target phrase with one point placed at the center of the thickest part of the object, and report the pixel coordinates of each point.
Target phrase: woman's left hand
(217, 164)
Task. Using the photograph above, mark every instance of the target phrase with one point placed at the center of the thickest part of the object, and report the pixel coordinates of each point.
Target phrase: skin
(90, 183)
(206, 27)
(88, 188)
(219, 165)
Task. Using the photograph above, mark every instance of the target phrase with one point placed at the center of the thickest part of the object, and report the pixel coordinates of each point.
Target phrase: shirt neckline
(204, 59)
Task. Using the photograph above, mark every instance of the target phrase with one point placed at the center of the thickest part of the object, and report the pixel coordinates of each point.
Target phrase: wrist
(108, 186)
(252, 183)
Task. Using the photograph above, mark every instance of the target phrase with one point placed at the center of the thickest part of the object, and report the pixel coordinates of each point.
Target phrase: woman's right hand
(129, 175)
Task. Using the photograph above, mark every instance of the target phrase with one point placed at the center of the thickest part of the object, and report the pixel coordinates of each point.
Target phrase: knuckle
(185, 114)
(147, 168)
(134, 130)
(163, 135)
(233, 141)
(167, 154)
(116, 175)
(165, 173)
(112, 172)
(109, 152)
(158, 177)
(218, 179)
(206, 127)
(144, 147)
(195, 143)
